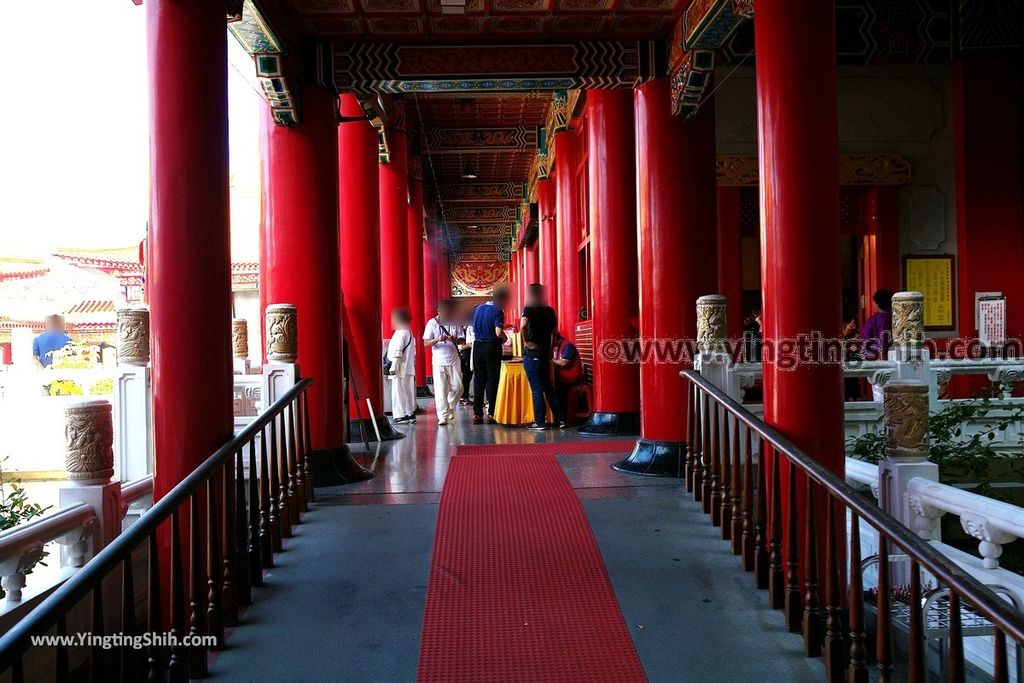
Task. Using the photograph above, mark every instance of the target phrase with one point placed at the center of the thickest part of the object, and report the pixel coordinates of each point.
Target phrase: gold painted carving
(88, 442)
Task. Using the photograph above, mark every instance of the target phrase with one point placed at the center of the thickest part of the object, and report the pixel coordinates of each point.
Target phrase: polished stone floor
(345, 601)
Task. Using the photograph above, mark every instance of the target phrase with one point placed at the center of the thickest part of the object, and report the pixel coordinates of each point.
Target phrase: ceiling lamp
(469, 173)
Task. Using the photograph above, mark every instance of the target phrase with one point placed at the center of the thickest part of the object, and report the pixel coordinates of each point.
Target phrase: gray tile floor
(345, 601)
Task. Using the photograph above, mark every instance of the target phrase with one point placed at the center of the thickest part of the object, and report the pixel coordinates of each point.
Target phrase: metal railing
(231, 526)
(793, 540)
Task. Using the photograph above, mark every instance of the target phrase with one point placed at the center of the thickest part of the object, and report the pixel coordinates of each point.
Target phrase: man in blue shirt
(53, 339)
(489, 337)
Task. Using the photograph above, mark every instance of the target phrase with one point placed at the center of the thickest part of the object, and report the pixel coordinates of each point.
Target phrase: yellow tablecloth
(514, 405)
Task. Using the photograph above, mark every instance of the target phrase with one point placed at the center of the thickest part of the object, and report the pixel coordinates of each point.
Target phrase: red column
(430, 274)
(532, 265)
(299, 255)
(612, 173)
(359, 236)
(799, 184)
(444, 272)
(414, 232)
(730, 258)
(547, 240)
(675, 162)
(567, 232)
(515, 270)
(189, 267)
(394, 225)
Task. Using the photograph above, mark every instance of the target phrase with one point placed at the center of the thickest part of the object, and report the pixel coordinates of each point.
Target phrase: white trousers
(403, 395)
(447, 388)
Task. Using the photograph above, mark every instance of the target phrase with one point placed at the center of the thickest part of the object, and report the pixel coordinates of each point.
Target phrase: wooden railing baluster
(736, 489)
(701, 483)
(714, 500)
(241, 517)
(276, 524)
(266, 526)
(883, 625)
(285, 502)
(255, 566)
(214, 609)
(197, 577)
(812, 617)
(833, 645)
(294, 499)
(307, 468)
(691, 436)
(857, 672)
(154, 620)
(793, 606)
(916, 666)
(725, 505)
(1000, 662)
(229, 585)
(129, 661)
(776, 576)
(747, 514)
(761, 549)
(955, 663)
(300, 478)
(62, 667)
(176, 669)
(98, 656)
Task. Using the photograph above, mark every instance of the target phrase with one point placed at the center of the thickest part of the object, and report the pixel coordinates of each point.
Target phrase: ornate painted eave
(880, 168)
(254, 33)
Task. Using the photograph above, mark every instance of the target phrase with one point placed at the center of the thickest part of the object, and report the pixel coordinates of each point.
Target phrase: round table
(514, 405)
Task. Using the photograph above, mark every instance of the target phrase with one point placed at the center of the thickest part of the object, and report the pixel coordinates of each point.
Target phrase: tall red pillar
(532, 264)
(299, 255)
(515, 270)
(189, 265)
(800, 262)
(547, 240)
(675, 162)
(430, 274)
(414, 233)
(394, 227)
(611, 170)
(444, 271)
(567, 232)
(359, 237)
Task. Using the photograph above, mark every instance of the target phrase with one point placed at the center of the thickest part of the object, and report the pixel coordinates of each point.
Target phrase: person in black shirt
(538, 324)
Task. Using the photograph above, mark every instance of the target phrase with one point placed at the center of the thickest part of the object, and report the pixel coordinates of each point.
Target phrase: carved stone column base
(654, 459)
(611, 424)
(335, 467)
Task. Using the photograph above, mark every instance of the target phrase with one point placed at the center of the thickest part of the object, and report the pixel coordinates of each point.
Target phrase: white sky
(74, 144)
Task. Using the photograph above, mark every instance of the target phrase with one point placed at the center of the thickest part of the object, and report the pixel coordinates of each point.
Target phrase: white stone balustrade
(280, 372)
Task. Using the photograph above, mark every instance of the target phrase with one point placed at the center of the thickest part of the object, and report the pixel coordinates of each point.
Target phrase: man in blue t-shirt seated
(488, 338)
(53, 339)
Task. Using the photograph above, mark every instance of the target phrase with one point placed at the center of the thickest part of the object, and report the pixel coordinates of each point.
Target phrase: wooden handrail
(967, 589)
(53, 610)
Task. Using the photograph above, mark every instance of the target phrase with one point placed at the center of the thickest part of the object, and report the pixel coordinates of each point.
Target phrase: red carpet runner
(518, 591)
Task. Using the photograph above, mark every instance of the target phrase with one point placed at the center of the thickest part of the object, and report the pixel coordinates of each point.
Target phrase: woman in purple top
(877, 330)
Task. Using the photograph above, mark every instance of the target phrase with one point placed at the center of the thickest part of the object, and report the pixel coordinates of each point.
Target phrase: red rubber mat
(518, 590)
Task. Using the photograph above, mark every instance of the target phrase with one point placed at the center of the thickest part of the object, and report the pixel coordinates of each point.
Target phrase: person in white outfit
(441, 336)
(402, 356)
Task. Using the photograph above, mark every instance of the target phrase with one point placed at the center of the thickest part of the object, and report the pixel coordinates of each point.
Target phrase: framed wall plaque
(935, 277)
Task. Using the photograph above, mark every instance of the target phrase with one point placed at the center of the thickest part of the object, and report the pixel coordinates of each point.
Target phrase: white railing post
(280, 372)
(908, 351)
(133, 396)
(713, 361)
(89, 463)
(906, 455)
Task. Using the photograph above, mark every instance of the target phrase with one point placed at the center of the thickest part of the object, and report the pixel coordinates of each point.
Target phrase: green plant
(949, 448)
(16, 509)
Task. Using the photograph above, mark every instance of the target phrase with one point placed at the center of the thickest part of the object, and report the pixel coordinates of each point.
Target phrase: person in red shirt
(568, 368)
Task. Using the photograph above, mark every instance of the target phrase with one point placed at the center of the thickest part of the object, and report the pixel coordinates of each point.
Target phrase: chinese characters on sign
(992, 320)
(932, 276)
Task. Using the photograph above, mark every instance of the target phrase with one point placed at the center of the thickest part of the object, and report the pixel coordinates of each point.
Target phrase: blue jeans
(538, 373)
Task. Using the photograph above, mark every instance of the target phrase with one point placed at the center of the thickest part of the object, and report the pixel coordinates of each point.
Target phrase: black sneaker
(563, 425)
(537, 427)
